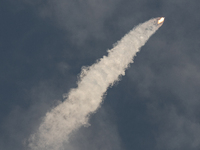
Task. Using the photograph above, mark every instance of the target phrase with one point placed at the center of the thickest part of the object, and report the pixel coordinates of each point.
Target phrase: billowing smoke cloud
(74, 112)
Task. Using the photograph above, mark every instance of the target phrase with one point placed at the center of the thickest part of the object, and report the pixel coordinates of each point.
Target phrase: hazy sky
(156, 104)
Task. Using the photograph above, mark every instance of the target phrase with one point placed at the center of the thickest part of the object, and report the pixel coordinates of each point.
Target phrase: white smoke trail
(87, 97)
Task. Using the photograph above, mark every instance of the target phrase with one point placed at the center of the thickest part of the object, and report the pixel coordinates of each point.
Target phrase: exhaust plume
(74, 112)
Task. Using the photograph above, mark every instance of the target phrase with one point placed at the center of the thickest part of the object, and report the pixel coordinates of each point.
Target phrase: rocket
(160, 20)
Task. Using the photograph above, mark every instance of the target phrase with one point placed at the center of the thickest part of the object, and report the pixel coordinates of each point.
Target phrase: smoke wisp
(74, 112)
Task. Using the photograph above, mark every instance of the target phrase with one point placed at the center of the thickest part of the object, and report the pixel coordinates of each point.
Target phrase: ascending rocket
(161, 20)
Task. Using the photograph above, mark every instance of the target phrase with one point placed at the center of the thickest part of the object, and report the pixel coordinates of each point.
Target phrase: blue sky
(44, 44)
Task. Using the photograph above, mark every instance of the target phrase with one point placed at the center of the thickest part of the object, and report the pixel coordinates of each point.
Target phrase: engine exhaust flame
(161, 20)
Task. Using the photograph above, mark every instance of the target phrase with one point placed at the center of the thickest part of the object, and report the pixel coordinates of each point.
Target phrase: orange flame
(161, 20)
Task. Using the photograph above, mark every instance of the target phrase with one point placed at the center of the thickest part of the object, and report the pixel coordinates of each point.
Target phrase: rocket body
(161, 20)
